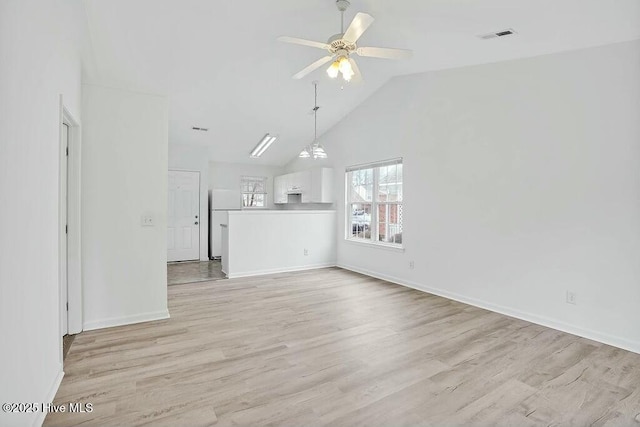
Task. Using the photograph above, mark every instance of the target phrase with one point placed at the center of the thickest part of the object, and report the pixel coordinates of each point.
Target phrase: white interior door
(183, 218)
(64, 178)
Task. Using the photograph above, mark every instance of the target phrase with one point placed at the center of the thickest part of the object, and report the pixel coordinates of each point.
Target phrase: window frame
(374, 226)
(264, 193)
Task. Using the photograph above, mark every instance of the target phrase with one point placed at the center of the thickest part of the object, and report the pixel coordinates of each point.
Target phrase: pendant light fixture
(315, 150)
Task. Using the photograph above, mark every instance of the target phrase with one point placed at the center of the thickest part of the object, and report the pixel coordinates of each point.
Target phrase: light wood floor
(193, 271)
(331, 347)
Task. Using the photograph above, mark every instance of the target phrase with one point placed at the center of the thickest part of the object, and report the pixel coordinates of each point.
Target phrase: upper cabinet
(313, 186)
(280, 189)
(321, 185)
(300, 184)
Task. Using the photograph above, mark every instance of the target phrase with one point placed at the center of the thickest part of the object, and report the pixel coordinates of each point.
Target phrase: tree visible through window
(254, 191)
(374, 202)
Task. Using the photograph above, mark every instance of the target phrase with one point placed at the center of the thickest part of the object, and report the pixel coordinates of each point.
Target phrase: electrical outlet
(147, 221)
(306, 252)
(571, 298)
(411, 265)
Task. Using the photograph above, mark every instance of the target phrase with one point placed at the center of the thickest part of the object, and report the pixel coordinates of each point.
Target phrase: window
(374, 202)
(254, 191)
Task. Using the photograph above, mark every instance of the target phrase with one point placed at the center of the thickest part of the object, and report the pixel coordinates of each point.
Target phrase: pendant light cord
(315, 114)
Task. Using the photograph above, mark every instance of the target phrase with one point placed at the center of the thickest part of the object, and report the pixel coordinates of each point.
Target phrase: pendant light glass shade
(305, 153)
(318, 151)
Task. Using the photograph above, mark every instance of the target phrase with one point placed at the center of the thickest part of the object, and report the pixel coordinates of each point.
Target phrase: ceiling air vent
(503, 33)
(200, 129)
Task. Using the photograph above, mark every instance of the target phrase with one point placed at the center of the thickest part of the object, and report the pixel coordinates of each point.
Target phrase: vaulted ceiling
(221, 67)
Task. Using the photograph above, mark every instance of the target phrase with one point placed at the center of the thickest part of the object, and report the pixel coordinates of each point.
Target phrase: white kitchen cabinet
(298, 182)
(314, 186)
(293, 182)
(303, 182)
(321, 185)
(280, 189)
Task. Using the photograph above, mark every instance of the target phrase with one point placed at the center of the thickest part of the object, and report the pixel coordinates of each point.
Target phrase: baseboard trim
(39, 420)
(126, 320)
(280, 270)
(598, 336)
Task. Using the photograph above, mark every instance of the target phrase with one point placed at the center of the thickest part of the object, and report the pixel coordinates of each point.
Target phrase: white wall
(124, 176)
(262, 242)
(522, 182)
(298, 164)
(195, 158)
(40, 45)
(226, 176)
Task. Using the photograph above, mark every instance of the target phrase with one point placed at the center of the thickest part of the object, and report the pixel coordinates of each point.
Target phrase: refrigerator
(220, 203)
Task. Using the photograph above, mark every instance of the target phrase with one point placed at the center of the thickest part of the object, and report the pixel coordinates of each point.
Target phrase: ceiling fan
(340, 47)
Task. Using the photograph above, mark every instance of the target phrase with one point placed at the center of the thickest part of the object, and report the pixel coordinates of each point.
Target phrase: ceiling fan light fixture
(340, 46)
(333, 69)
(346, 69)
(345, 66)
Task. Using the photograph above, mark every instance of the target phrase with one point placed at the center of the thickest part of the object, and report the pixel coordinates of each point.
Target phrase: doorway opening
(69, 230)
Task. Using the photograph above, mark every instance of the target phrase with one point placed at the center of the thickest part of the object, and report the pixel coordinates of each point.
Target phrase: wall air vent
(200, 129)
(503, 33)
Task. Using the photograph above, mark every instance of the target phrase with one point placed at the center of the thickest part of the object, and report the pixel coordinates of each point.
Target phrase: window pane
(389, 192)
(258, 200)
(399, 182)
(390, 184)
(383, 215)
(361, 185)
(390, 223)
(387, 174)
(395, 192)
(253, 184)
(253, 200)
(383, 180)
(385, 204)
(361, 221)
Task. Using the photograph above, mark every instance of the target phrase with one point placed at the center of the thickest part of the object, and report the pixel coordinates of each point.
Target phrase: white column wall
(124, 176)
(40, 44)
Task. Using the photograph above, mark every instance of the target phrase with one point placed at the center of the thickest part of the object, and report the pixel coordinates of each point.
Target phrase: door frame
(72, 221)
(200, 224)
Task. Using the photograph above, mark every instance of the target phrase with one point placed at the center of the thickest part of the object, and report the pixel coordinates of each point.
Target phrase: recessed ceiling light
(262, 146)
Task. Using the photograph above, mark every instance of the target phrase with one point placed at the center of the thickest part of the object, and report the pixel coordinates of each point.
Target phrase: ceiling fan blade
(357, 27)
(384, 52)
(319, 63)
(357, 77)
(303, 42)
